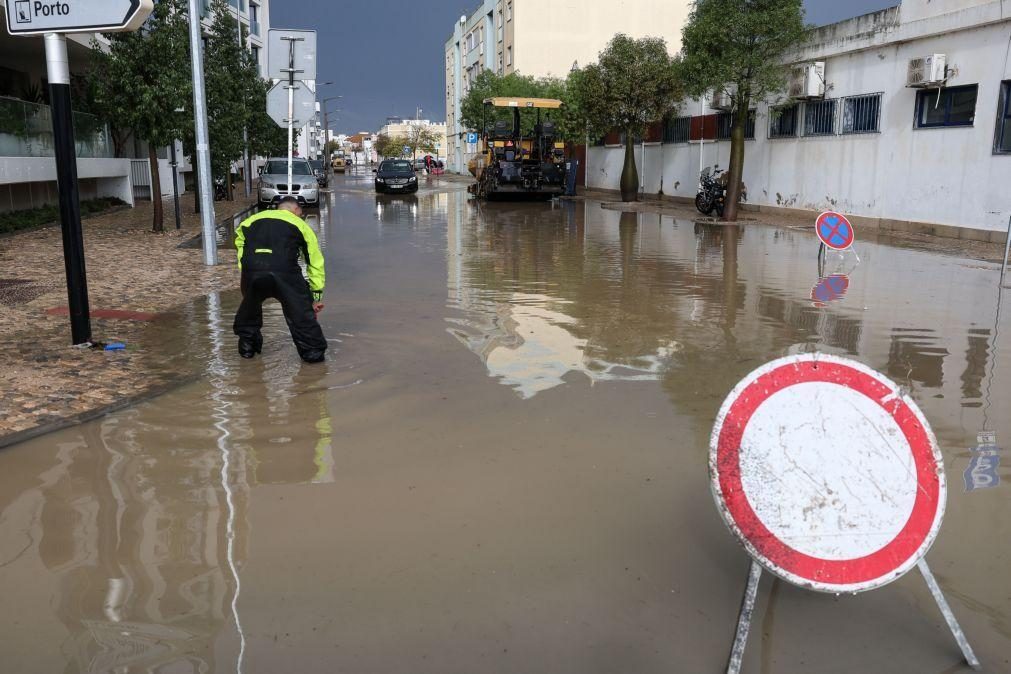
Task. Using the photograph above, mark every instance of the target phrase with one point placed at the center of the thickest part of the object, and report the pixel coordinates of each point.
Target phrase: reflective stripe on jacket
(273, 241)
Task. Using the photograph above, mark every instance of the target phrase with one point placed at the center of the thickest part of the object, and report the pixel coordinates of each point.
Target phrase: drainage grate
(15, 291)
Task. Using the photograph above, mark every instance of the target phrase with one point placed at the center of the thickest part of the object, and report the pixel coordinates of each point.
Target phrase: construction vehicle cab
(518, 163)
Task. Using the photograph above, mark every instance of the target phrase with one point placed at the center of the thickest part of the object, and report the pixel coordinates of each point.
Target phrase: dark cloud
(386, 57)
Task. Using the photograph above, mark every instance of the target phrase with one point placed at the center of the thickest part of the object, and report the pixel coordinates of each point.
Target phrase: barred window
(819, 117)
(725, 124)
(1002, 136)
(783, 121)
(861, 114)
(677, 129)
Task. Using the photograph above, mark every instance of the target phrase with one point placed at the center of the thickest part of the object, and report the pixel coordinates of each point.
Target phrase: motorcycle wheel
(704, 205)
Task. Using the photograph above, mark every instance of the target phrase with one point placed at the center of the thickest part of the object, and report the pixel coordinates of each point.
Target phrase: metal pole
(1007, 249)
(291, 108)
(203, 148)
(949, 617)
(744, 619)
(58, 70)
(175, 183)
(246, 161)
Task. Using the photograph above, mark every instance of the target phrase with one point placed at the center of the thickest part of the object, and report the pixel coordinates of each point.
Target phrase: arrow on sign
(36, 17)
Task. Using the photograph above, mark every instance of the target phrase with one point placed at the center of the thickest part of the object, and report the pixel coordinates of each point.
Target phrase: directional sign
(827, 473)
(278, 53)
(830, 289)
(277, 104)
(834, 230)
(36, 17)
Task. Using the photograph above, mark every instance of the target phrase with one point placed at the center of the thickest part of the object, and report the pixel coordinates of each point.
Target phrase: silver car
(274, 182)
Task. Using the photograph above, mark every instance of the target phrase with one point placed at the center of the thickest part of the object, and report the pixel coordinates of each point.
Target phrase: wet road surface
(501, 467)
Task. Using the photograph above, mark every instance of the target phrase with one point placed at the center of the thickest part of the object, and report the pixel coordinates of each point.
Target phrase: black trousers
(292, 291)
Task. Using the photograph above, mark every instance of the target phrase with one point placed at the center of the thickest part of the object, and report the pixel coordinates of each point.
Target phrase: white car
(274, 182)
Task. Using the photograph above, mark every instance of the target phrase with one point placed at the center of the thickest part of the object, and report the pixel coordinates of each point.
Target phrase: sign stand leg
(744, 619)
(821, 260)
(949, 617)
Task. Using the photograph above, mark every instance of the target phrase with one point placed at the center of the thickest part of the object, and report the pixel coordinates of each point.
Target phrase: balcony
(254, 28)
(26, 130)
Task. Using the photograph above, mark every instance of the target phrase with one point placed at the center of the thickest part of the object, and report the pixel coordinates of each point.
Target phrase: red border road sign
(827, 473)
(834, 230)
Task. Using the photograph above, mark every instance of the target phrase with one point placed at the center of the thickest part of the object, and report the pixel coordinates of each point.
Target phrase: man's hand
(317, 307)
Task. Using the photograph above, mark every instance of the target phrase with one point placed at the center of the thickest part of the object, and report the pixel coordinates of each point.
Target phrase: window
(1002, 138)
(677, 129)
(783, 121)
(509, 56)
(509, 11)
(861, 114)
(950, 106)
(501, 69)
(725, 124)
(256, 58)
(819, 117)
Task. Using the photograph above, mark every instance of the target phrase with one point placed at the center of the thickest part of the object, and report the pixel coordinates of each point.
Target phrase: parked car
(396, 176)
(322, 175)
(274, 182)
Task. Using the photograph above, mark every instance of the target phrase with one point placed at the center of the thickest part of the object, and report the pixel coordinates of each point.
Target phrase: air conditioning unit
(808, 81)
(721, 101)
(927, 71)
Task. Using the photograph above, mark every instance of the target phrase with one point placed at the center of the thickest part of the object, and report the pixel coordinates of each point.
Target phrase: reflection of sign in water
(834, 230)
(830, 289)
(827, 474)
(981, 473)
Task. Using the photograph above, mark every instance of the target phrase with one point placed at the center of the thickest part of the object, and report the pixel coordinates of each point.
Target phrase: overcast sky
(386, 56)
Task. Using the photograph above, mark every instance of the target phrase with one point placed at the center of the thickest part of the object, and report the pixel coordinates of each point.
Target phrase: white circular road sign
(827, 474)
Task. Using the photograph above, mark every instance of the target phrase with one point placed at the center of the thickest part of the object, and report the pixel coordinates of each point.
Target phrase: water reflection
(538, 292)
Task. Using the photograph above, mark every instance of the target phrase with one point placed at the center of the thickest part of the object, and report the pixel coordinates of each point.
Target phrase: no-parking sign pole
(53, 22)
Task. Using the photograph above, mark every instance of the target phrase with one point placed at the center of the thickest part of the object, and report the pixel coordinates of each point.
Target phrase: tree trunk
(228, 186)
(196, 184)
(629, 174)
(736, 172)
(157, 221)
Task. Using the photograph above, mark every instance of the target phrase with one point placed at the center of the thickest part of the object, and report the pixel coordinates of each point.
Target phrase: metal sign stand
(58, 70)
(751, 594)
(291, 70)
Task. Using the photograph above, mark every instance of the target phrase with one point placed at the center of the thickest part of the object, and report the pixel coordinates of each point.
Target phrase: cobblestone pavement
(44, 380)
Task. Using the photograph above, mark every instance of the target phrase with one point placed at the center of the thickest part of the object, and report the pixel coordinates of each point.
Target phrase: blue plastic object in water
(115, 346)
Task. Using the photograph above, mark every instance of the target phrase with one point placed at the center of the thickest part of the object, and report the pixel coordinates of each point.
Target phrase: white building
(933, 158)
(402, 127)
(106, 166)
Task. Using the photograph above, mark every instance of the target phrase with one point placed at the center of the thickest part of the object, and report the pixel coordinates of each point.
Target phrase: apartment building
(402, 127)
(901, 118)
(540, 38)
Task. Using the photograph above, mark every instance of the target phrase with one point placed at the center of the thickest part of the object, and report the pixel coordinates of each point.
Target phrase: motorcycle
(712, 192)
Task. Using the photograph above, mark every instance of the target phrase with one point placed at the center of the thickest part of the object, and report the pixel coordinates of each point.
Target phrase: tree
(738, 47)
(420, 138)
(569, 123)
(228, 71)
(143, 80)
(633, 83)
(390, 146)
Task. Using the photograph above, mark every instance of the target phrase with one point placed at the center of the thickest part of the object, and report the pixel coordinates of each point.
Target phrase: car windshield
(298, 168)
(398, 166)
(316, 164)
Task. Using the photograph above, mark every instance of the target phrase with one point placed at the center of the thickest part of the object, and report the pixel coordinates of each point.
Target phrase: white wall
(99, 178)
(940, 175)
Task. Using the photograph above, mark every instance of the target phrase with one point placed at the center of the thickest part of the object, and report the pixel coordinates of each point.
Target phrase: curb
(18, 437)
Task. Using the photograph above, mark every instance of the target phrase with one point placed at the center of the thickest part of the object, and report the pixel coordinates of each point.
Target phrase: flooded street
(502, 466)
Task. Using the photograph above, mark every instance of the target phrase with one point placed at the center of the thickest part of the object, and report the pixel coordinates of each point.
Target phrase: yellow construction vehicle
(512, 163)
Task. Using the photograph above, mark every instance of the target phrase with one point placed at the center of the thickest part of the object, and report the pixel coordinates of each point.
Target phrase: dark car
(321, 175)
(396, 176)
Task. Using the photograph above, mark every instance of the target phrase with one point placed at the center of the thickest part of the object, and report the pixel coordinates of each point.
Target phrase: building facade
(928, 157)
(542, 39)
(402, 127)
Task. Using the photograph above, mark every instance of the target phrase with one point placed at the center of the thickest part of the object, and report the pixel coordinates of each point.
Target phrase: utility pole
(247, 168)
(203, 149)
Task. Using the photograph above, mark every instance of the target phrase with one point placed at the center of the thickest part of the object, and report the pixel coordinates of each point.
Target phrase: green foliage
(739, 46)
(145, 76)
(569, 123)
(633, 83)
(230, 77)
(420, 139)
(13, 221)
(390, 146)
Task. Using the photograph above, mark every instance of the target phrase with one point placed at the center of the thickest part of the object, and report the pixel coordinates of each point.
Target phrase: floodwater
(502, 466)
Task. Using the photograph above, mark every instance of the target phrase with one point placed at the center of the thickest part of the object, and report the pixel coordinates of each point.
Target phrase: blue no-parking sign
(834, 230)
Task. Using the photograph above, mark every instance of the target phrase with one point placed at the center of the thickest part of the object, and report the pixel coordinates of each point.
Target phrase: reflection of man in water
(269, 245)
